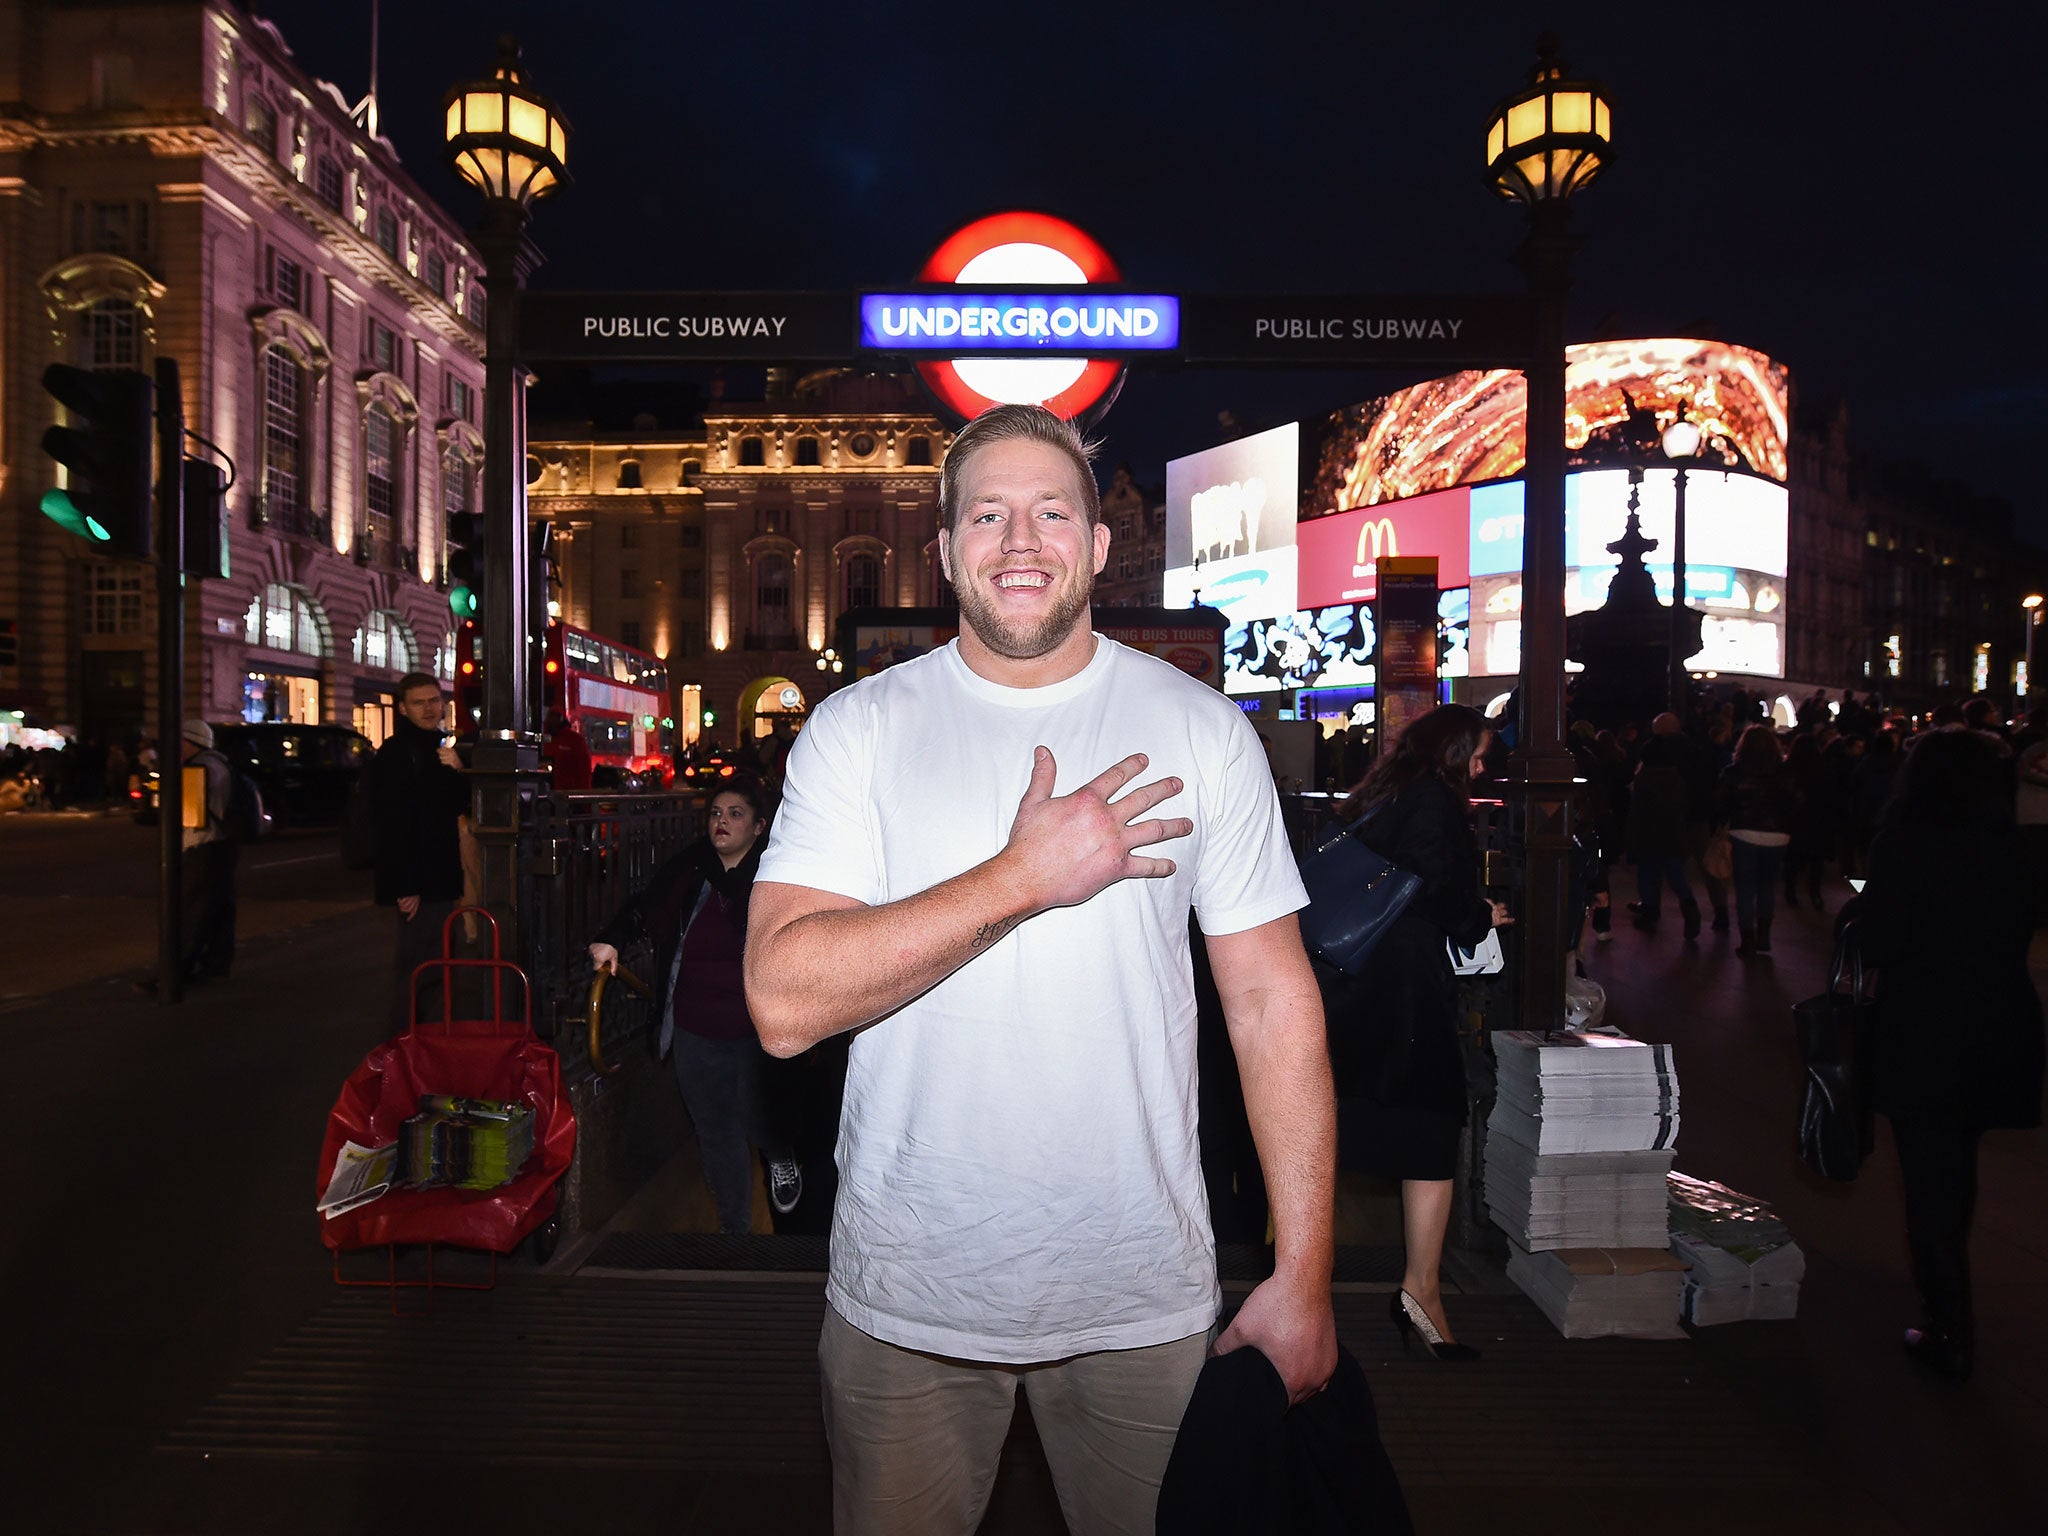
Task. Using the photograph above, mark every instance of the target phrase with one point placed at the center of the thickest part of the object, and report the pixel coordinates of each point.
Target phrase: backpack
(245, 820)
(359, 826)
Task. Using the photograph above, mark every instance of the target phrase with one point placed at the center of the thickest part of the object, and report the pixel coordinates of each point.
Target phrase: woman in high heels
(1401, 1099)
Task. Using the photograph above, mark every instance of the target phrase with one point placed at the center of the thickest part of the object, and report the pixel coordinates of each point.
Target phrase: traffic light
(466, 563)
(206, 545)
(107, 447)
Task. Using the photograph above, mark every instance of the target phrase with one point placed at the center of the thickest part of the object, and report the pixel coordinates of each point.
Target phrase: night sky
(1853, 189)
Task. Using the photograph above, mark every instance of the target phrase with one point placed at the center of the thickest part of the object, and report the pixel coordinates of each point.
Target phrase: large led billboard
(1230, 516)
(1735, 559)
(1375, 464)
(1470, 427)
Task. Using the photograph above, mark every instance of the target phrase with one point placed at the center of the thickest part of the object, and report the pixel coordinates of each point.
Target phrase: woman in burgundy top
(694, 912)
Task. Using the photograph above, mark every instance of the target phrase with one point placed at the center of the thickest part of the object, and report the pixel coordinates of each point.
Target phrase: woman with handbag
(1754, 802)
(694, 911)
(1401, 1097)
(1957, 1047)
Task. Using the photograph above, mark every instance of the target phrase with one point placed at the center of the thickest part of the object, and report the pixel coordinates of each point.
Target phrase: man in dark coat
(417, 800)
(1957, 1047)
(1660, 818)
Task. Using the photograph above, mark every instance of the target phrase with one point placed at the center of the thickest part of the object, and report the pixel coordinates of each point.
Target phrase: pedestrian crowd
(1722, 801)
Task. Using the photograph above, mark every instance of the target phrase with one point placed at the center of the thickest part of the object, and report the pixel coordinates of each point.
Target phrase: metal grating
(721, 1377)
(705, 1252)
(709, 1251)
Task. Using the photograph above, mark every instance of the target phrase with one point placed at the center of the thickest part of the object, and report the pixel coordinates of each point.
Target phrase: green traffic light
(463, 602)
(60, 509)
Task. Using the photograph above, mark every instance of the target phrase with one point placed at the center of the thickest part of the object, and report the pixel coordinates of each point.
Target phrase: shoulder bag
(1354, 895)
(1834, 1032)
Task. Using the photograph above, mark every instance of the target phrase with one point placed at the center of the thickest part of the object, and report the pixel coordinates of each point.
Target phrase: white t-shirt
(1019, 1177)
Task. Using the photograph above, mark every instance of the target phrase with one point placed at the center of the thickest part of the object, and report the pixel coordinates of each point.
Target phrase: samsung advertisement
(1230, 520)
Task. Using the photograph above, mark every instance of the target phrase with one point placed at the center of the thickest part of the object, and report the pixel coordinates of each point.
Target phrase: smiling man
(964, 873)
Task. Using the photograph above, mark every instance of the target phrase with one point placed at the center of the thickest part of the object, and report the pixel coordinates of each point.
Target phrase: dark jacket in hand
(1246, 1464)
(1393, 1028)
(415, 800)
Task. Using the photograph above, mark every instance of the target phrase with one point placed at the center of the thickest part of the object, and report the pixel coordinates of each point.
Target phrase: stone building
(729, 547)
(172, 184)
(1135, 576)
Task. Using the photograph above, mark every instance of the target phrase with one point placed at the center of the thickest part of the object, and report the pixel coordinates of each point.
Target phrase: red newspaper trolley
(476, 1044)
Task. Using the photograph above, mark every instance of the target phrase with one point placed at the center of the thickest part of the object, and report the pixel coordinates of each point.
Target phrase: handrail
(597, 984)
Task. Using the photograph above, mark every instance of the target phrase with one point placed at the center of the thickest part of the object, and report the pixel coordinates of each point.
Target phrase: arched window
(942, 589)
(284, 439)
(772, 616)
(384, 642)
(629, 475)
(380, 479)
(283, 618)
(863, 580)
(458, 489)
(753, 452)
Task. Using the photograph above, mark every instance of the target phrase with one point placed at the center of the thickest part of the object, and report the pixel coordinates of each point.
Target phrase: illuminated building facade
(731, 547)
(172, 184)
(1136, 573)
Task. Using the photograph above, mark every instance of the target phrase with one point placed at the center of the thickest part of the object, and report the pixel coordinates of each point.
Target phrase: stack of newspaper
(1577, 1199)
(1584, 1092)
(1740, 1261)
(1578, 1146)
(1590, 1293)
(465, 1143)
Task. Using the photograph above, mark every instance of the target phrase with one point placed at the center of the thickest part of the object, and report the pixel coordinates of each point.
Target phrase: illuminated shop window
(384, 642)
(283, 618)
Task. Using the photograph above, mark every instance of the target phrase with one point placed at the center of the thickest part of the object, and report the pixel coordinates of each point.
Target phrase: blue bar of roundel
(1086, 325)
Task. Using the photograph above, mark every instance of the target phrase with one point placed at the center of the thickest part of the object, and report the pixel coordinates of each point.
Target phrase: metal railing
(276, 513)
(595, 852)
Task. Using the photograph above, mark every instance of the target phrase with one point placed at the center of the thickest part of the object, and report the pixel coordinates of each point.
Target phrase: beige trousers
(915, 1437)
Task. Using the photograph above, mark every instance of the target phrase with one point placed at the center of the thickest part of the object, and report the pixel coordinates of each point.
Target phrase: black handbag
(1835, 1031)
(1354, 895)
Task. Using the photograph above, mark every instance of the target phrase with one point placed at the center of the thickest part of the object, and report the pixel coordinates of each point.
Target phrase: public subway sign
(1007, 321)
(686, 327)
(1358, 330)
(956, 324)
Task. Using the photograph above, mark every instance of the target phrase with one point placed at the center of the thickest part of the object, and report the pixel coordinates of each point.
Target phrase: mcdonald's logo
(1378, 536)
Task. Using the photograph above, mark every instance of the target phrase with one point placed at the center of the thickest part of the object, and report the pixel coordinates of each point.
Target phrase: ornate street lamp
(1542, 145)
(1682, 443)
(507, 140)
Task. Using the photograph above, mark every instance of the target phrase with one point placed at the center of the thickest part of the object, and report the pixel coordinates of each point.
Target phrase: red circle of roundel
(1077, 245)
(1020, 227)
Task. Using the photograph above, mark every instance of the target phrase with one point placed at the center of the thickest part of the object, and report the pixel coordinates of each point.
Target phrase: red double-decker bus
(615, 695)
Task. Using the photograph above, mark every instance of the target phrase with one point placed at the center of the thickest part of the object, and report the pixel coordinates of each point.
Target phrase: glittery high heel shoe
(1413, 1323)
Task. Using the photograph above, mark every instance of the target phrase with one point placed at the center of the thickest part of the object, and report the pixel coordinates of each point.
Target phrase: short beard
(1018, 642)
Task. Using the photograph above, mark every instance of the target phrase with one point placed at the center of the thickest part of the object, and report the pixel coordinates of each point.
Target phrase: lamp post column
(507, 758)
(1545, 767)
(1678, 604)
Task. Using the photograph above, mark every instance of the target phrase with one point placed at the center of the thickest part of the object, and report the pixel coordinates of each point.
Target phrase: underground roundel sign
(1022, 248)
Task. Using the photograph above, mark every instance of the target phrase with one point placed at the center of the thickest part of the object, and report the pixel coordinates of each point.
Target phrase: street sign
(686, 327)
(1440, 332)
(1357, 330)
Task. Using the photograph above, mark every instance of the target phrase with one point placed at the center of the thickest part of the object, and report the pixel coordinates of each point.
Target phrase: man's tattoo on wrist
(988, 933)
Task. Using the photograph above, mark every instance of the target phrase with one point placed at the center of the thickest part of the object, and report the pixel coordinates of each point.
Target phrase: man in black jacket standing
(417, 799)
